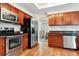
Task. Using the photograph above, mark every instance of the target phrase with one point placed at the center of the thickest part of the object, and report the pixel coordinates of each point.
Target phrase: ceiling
(40, 9)
(47, 5)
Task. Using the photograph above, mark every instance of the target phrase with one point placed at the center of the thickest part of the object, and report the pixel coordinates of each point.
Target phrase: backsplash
(15, 26)
(64, 28)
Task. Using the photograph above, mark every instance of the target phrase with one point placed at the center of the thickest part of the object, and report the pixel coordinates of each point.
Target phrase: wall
(4, 24)
(64, 28)
(42, 26)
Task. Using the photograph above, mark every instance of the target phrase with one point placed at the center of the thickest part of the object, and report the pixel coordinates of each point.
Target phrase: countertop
(68, 33)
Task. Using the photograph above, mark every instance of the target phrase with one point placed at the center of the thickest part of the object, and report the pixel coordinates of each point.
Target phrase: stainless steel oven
(8, 16)
(13, 44)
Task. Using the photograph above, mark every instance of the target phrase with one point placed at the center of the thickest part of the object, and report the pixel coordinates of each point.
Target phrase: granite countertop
(68, 33)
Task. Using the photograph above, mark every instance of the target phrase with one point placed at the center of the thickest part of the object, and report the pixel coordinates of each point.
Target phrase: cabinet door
(59, 18)
(77, 42)
(20, 17)
(25, 41)
(51, 40)
(2, 46)
(74, 18)
(52, 19)
(27, 16)
(13, 9)
(66, 19)
(5, 5)
(59, 40)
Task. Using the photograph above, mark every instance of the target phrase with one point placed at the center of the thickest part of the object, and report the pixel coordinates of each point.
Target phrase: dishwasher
(69, 41)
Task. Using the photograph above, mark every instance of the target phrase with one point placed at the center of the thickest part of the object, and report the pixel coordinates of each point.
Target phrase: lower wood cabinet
(2, 46)
(55, 40)
(25, 41)
(77, 41)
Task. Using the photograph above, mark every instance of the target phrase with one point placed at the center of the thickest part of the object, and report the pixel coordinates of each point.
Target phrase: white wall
(64, 28)
(42, 25)
(15, 26)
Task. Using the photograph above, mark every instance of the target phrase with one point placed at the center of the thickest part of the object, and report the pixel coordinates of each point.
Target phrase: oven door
(13, 43)
(8, 16)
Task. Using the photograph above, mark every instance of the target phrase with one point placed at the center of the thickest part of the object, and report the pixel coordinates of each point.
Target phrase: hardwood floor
(43, 50)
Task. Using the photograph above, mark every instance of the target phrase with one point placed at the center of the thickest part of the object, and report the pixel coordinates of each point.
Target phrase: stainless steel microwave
(8, 16)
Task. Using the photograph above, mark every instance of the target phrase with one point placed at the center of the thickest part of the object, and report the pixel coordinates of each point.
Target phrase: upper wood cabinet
(59, 18)
(66, 19)
(5, 5)
(52, 20)
(2, 46)
(15, 10)
(20, 17)
(74, 18)
(27, 16)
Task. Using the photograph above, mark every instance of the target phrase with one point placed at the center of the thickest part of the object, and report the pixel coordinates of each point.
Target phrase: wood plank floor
(43, 50)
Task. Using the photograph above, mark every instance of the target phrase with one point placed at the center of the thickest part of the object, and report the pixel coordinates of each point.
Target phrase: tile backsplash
(10, 25)
(64, 28)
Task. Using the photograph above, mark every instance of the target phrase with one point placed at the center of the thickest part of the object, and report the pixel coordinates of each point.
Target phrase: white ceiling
(39, 9)
(47, 5)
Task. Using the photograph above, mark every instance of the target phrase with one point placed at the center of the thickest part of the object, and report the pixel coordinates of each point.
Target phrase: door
(59, 40)
(13, 42)
(69, 42)
(15, 10)
(66, 19)
(74, 18)
(20, 17)
(25, 41)
(5, 5)
(59, 19)
(51, 40)
(52, 19)
(77, 42)
(2, 46)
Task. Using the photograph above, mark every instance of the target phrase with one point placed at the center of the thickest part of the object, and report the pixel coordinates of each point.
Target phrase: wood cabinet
(51, 40)
(5, 5)
(52, 19)
(66, 19)
(15, 10)
(2, 46)
(59, 19)
(27, 16)
(25, 41)
(20, 17)
(77, 42)
(55, 39)
(59, 40)
(55, 19)
(74, 18)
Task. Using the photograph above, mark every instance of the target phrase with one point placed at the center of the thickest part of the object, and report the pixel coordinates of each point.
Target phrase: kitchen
(26, 34)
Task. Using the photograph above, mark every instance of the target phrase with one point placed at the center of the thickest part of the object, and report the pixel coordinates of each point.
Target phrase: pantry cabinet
(2, 46)
(5, 6)
(20, 17)
(55, 40)
(25, 41)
